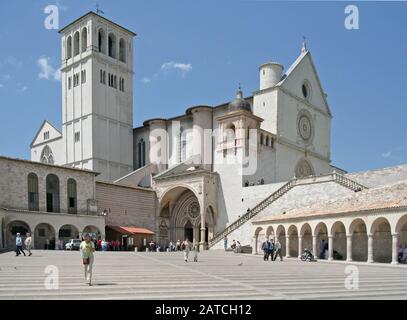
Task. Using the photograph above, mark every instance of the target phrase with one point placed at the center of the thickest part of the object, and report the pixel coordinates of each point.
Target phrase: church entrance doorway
(189, 231)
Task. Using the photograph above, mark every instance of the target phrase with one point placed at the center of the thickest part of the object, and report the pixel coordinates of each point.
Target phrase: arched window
(69, 48)
(261, 139)
(230, 133)
(141, 153)
(115, 82)
(122, 50)
(84, 43)
(47, 155)
(33, 203)
(112, 45)
(52, 190)
(267, 141)
(76, 43)
(101, 41)
(72, 196)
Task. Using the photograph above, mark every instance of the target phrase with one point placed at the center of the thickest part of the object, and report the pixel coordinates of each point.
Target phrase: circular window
(193, 210)
(305, 127)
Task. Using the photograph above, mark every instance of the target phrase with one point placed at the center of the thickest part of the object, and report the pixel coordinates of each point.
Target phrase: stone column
(299, 246)
(287, 246)
(203, 229)
(314, 247)
(255, 244)
(369, 248)
(330, 248)
(394, 255)
(349, 247)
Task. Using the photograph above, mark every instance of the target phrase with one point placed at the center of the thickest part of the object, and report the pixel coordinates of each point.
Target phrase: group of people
(27, 243)
(272, 250)
(236, 247)
(103, 245)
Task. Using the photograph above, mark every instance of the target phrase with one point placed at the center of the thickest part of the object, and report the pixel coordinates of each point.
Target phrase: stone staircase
(333, 177)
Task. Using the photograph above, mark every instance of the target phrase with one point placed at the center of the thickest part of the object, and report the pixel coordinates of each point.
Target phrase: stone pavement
(217, 275)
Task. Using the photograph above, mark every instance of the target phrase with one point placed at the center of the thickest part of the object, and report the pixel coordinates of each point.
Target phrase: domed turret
(239, 103)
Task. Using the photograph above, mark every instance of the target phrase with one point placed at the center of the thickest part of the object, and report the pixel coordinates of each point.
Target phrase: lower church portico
(187, 207)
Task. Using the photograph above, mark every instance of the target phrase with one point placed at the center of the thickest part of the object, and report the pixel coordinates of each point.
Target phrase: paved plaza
(217, 275)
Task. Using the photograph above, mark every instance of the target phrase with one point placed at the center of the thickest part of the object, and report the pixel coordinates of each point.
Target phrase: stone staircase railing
(250, 214)
(346, 182)
(336, 177)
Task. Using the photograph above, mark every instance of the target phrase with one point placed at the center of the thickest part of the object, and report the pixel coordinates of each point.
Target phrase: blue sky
(216, 45)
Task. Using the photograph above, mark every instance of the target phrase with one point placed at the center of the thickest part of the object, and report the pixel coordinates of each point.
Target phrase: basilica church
(241, 169)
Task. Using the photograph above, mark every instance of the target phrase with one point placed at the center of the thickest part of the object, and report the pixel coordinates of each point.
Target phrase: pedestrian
(46, 244)
(225, 242)
(19, 245)
(99, 245)
(196, 250)
(28, 243)
(238, 247)
(178, 246)
(170, 246)
(87, 249)
(271, 250)
(404, 257)
(186, 247)
(233, 246)
(118, 245)
(266, 249)
(152, 244)
(277, 249)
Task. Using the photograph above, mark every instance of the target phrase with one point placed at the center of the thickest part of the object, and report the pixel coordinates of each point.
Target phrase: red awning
(130, 230)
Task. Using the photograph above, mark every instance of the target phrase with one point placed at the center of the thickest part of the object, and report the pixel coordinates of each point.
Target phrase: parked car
(73, 244)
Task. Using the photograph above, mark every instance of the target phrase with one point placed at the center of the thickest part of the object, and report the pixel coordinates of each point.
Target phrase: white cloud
(184, 68)
(47, 71)
(386, 154)
(166, 67)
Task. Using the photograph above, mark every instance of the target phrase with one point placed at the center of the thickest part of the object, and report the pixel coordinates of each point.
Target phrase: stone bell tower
(97, 96)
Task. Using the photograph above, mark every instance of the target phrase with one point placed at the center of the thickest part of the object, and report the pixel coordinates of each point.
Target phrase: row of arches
(112, 45)
(78, 43)
(46, 236)
(350, 240)
(52, 193)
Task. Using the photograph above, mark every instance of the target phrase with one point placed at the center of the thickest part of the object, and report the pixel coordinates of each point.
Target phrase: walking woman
(87, 249)
(28, 243)
(186, 247)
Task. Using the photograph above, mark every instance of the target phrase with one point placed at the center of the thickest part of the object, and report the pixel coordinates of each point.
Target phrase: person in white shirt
(186, 247)
(28, 243)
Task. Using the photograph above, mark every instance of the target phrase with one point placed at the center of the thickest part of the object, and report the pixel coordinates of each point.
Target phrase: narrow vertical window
(33, 203)
(72, 196)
